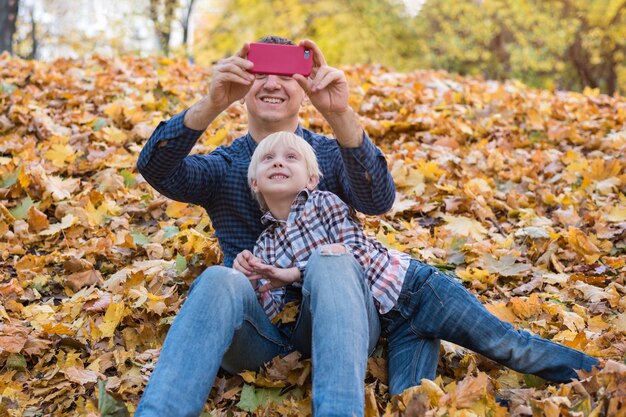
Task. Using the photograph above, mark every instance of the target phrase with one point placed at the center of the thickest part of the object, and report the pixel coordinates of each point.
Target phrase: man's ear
(314, 180)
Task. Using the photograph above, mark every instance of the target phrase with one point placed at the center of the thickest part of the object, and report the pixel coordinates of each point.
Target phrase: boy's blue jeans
(433, 306)
(222, 323)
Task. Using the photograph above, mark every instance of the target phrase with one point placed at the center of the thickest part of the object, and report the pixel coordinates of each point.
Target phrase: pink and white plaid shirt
(320, 218)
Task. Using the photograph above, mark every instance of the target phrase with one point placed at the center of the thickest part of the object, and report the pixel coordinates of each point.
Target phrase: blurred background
(555, 44)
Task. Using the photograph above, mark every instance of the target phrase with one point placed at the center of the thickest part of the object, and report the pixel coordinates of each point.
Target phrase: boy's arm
(165, 163)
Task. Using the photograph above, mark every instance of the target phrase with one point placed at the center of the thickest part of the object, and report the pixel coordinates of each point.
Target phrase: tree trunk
(8, 20)
(162, 14)
(185, 23)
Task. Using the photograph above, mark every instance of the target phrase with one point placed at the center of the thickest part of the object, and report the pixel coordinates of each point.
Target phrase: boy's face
(281, 174)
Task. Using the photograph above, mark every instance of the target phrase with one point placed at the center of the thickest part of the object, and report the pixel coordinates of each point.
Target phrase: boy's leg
(410, 358)
(339, 319)
(221, 307)
(439, 307)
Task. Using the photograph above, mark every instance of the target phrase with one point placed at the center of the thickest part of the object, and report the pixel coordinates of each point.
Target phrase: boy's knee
(217, 279)
(333, 249)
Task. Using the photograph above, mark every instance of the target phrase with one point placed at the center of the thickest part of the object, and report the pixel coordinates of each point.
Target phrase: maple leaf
(61, 189)
(60, 154)
(464, 226)
(506, 266)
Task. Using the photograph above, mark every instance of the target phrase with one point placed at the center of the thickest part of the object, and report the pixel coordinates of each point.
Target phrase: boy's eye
(260, 76)
(292, 156)
(267, 157)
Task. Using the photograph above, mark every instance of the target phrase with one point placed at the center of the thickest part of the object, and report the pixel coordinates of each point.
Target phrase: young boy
(417, 303)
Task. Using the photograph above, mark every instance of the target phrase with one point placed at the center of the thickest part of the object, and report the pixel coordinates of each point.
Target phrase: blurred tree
(358, 31)
(8, 21)
(184, 22)
(162, 13)
(562, 43)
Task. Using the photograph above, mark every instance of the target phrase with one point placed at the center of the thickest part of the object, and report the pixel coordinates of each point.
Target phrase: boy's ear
(314, 180)
(253, 185)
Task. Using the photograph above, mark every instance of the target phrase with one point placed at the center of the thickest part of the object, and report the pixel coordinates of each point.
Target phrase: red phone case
(269, 58)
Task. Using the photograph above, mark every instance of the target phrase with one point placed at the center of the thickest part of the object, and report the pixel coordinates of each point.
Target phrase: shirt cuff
(364, 158)
(175, 128)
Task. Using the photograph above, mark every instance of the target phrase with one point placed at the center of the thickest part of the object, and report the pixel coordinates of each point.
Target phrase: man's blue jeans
(222, 323)
(433, 306)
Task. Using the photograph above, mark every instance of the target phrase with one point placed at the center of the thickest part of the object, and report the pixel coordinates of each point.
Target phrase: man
(221, 322)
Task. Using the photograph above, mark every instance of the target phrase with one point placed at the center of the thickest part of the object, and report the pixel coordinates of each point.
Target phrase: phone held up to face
(276, 59)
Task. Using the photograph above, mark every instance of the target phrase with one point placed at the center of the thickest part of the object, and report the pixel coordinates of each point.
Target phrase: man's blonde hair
(288, 139)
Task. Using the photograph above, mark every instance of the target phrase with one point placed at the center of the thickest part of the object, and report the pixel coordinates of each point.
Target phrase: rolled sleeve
(156, 161)
(370, 179)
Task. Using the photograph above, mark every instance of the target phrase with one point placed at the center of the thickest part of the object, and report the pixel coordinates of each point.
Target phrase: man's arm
(164, 160)
(371, 188)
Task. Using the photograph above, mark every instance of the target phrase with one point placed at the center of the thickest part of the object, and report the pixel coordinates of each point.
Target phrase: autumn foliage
(520, 193)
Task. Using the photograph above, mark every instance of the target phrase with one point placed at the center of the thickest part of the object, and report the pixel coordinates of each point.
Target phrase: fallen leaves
(519, 192)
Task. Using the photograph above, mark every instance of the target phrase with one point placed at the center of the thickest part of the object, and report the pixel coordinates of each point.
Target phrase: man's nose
(272, 82)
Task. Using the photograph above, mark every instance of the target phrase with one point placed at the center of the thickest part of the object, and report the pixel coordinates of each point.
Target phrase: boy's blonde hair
(291, 140)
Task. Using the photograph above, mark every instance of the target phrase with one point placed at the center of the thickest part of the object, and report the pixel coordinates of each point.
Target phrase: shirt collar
(298, 202)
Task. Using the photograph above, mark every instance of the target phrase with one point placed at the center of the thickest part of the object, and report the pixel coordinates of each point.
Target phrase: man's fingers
(327, 79)
(243, 51)
(238, 67)
(318, 56)
(304, 82)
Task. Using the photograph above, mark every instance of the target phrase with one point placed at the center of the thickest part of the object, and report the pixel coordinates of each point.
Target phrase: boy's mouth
(278, 177)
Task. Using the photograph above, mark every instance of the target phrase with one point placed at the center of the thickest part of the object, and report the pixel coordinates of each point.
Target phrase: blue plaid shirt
(218, 181)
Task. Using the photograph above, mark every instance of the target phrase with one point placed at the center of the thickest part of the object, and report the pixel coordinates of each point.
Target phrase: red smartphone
(270, 58)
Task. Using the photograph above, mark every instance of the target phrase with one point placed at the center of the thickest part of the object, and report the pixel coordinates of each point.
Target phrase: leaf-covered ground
(519, 192)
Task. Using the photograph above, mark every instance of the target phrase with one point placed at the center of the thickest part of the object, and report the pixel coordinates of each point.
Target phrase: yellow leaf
(112, 318)
(114, 135)
(216, 138)
(501, 311)
(60, 154)
(464, 226)
(616, 215)
(176, 209)
(66, 222)
(430, 170)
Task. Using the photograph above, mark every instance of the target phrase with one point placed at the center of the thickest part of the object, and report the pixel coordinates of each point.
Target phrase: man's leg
(221, 308)
(340, 321)
(439, 307)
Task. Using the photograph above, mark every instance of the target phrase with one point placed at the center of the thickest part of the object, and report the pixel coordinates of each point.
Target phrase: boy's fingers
(265, 287)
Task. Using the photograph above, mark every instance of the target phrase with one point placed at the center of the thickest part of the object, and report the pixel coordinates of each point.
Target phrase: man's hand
(327, 87)
(278, 277)
(230, 81)
(328, 90)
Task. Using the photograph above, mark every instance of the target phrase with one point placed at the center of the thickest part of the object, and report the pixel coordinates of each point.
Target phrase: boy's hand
(243, 264)
(278, 277)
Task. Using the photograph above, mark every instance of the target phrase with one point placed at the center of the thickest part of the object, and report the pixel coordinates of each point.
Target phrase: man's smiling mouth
(272, 100)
